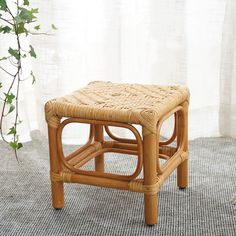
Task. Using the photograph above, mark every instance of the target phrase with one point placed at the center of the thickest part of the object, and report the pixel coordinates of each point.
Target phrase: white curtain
(121, 41)
(143, 41)
(228, 73)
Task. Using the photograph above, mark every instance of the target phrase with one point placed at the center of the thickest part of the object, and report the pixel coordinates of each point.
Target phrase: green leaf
(3, 5)
(14, 145)
(53, 27)
(32, 52)
(26, 3)
(34, 10)
(37, 27)
(19, 145)
(21, 28)
(9, 98)
(0, 84)
(5, 29)
(12, 108)
(18, 20)
(26, 16)
(33, 77)
(12, 131)
(14, 53)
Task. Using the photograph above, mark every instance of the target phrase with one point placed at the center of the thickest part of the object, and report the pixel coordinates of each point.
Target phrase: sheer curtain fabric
(154, 42)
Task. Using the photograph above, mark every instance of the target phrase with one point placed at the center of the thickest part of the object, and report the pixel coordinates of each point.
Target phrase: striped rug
(204, 208)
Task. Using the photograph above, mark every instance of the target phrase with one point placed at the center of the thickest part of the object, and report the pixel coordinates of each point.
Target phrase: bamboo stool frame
(147, 147)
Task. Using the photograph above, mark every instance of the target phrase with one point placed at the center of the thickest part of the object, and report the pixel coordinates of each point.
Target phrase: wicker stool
(104, 105)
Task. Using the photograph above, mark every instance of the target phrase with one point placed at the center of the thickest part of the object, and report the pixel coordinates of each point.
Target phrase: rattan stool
(104, 105)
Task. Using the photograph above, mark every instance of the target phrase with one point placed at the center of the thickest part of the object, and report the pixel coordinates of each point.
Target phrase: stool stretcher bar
(135, 185)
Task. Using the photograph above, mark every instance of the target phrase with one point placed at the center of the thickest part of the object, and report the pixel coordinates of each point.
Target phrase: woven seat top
(128, 103)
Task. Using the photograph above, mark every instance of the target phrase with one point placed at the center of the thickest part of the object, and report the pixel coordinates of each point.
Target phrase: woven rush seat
(130, 103)
(103, 105)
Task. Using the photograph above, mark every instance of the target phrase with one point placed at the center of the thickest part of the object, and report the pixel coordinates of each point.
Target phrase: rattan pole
(115, 144)
(98, 181)
(149, 164)
(81, 149)
(182, 170)
(56, 187)
(99, 160)
(173, 136)
(118, 139)
(80, 157)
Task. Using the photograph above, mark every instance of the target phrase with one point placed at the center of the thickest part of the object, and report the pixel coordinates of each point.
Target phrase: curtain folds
(228, 73)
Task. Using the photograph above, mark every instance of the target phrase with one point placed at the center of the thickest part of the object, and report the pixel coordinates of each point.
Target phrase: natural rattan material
(104, 105)
(129, 103)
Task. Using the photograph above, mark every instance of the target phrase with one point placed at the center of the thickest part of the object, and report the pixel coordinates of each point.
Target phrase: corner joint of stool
(139, 186)
(60, 177)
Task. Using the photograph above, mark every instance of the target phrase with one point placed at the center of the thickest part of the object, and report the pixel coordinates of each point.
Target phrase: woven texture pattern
(129, 103)
(204, 208)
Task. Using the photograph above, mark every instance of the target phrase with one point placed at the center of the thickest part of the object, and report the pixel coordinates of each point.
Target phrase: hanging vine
(19, 20)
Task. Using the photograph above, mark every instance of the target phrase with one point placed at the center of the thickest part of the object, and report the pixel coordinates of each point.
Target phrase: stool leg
(182, 169)
(99, 160)
(182, 175)
(56, 187)
(150, 201)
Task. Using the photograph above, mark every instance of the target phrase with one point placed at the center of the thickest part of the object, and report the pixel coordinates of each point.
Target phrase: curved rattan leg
(150, 200)
(99, 160)
(56, 186)
(182, 169)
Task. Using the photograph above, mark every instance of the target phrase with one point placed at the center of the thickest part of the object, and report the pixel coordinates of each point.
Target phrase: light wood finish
(174, 134)
(150, 143)
(182, 169)
(99, 160)
(118, 139)
(84, 147)
(176, 111)
(97, 150)
(55, 167)
(121, 106)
